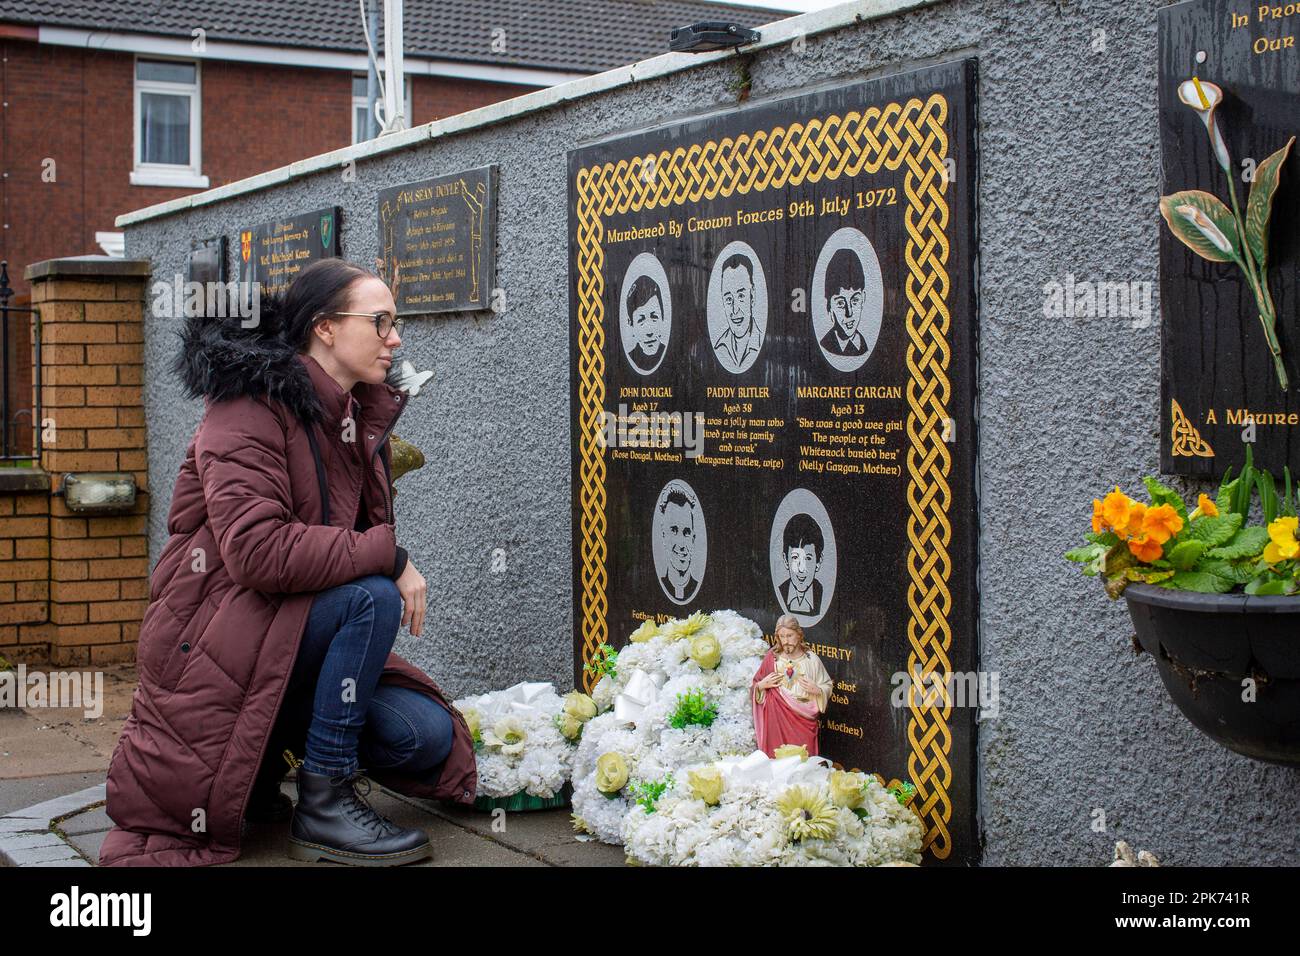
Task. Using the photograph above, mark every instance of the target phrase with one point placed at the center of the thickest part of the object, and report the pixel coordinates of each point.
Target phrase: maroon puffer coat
(231, 591)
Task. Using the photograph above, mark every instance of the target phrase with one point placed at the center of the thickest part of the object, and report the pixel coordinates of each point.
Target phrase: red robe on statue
(780, 718)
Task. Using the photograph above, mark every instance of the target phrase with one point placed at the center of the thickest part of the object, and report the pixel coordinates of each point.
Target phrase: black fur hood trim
(219, 359)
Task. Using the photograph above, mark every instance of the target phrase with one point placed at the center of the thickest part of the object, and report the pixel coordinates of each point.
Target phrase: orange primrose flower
(1136, 515)
(1145, 548)
(1161, 523)
(1098, 520)
(1206, 506)
(1115, 509)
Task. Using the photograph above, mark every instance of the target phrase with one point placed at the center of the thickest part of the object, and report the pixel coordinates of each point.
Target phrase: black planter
(1206, 645)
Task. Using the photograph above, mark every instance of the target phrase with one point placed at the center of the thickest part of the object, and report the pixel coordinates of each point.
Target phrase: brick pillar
(92, 364)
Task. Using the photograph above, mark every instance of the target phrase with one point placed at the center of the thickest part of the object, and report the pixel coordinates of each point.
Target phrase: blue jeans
(334, 689)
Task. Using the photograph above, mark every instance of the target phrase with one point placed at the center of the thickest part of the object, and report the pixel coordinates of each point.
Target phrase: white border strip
(293, 56)
(773, 34)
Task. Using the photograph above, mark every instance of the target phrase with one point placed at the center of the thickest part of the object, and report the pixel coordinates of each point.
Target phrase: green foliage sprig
(646, 793)
(604, 663)
(692, 708)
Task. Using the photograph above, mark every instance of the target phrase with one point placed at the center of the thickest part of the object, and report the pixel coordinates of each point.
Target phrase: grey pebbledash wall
(1068, 183)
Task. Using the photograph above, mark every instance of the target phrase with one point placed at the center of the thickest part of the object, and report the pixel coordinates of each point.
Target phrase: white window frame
(359, 103)
(169, 174)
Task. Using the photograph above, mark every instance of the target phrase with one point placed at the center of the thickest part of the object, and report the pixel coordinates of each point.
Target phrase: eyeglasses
(384, 322)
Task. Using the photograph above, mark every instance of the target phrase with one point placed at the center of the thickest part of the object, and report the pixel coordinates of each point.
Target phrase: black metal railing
(20, 414)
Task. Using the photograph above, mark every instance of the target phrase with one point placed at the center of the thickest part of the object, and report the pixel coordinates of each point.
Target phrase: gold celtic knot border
(909, 135)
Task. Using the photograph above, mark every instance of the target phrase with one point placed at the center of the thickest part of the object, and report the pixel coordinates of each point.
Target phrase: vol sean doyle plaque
(437, 241)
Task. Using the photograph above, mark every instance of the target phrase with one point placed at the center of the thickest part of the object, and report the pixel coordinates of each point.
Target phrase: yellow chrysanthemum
(791, 750)
(1282, 544)
(808, 815)
(1161, 523)
(687, 627)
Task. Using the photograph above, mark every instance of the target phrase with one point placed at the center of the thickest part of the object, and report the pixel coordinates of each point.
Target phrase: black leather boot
(333, 822)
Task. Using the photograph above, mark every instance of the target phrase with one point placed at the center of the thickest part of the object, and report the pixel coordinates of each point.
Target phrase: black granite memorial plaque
(273, 253)
(438, 242)
(773, 339)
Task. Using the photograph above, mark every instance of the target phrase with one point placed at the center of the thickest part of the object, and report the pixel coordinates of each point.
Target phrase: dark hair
(844, 272)
(643, 290)
(738, 260)
(802, 530)
(321, 287)
(678, 498)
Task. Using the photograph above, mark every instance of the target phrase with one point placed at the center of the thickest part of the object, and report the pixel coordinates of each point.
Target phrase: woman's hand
(412, 587)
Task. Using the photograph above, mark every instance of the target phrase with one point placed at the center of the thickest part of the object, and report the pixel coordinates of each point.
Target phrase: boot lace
(354, 802)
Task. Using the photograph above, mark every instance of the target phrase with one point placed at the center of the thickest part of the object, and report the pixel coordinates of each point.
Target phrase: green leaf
(1091, 556)
(1147, 577)
(1267, 495)
(1259, 208)
(1200, 581)
(1203, 223)
(1214, 531)
(1107, 538)
(1266, 587)
(1186, 553)
(1246, 482)
(1246, 543)
(1236, 573)
(1227, 492)
(1164, 495)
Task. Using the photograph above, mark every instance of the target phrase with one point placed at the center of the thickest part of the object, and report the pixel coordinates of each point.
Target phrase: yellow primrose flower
(790, 750)
(647, 631)
(1161, 523)
(706, 651)
(706, 785)
(611, 773)
(1115, 509)
(1282, 545)
(1206, 506)
(807, 814)
(846, 789)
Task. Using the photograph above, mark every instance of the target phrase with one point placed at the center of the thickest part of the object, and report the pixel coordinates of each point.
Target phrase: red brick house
(112, 105)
